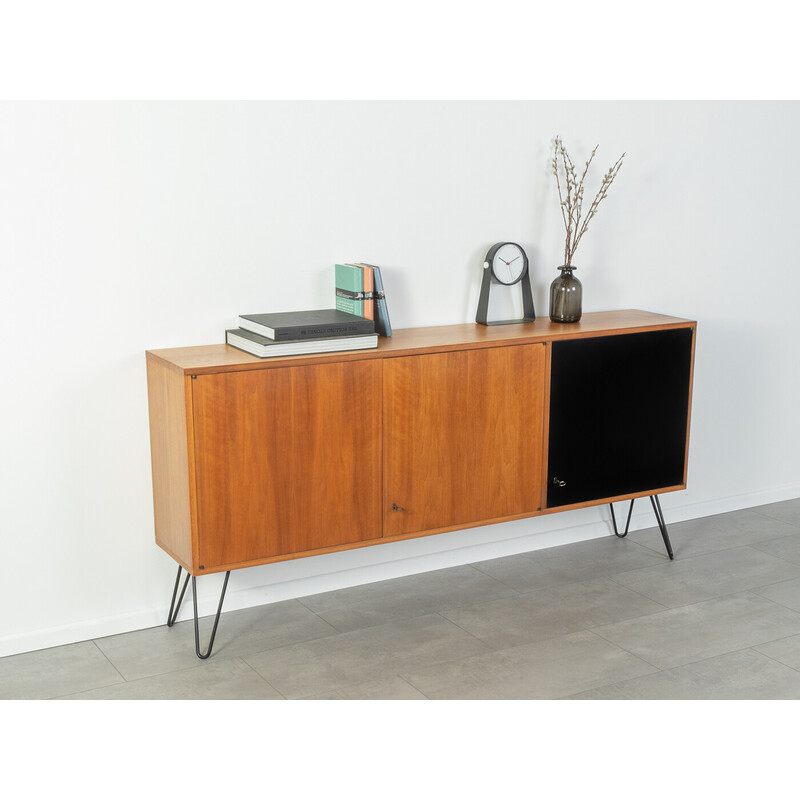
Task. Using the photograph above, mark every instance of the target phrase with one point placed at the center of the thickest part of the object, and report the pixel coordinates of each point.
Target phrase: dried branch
(572, 207)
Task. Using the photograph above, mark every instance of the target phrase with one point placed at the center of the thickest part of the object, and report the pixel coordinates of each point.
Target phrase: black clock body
(497, 268)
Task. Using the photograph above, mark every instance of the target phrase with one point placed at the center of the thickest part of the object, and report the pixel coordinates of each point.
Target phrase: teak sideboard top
(214, 358)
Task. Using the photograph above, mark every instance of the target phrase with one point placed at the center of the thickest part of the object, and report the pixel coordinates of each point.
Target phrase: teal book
(350, 289)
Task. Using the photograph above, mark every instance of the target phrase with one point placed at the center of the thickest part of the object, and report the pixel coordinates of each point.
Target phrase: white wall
(128, 226)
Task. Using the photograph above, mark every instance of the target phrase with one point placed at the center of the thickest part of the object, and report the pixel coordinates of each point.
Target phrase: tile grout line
(244, 661)
(319, 617)
(750, 649)
(105, 656)
(639, 594)
(134, 681)
(754, 648)
(415, 688)
(716, 655)
(463, 630)
(499, 580)
(625, 649)
(346, 686)
(753, 548)
(427, 612)
(770, 516)
(776, 602)
(775, 555)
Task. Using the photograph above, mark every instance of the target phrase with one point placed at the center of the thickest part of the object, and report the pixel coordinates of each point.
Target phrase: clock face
(509, 263)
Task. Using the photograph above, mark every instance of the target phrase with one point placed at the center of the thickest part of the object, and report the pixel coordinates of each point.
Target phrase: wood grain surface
(462, 437)
(171, 462)
(287, 460)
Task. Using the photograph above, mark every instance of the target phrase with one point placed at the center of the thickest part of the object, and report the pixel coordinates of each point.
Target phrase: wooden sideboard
(438, 429)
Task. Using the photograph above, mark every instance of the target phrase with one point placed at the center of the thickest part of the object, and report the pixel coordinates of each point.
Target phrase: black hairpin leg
(662, 526)
(614, 520)
(173, 610)
(216, 620)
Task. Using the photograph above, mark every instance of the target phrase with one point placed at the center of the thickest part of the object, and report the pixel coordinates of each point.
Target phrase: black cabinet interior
(618, 415)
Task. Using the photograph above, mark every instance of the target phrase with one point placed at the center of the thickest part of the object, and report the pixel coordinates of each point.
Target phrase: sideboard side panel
(170, 458)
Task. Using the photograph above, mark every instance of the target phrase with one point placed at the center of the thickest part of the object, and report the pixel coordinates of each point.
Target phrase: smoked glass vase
(566, 297)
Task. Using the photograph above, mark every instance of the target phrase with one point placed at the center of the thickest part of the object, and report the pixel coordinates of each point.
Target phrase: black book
(263, 347)
(324, 323)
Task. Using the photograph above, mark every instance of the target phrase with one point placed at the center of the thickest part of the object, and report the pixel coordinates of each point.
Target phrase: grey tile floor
(604, 619)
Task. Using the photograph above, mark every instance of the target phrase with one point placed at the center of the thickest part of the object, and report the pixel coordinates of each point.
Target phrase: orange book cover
(369, 290)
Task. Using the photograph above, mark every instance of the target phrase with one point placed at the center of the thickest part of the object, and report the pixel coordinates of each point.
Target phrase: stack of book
(293, 333)
(359, 291)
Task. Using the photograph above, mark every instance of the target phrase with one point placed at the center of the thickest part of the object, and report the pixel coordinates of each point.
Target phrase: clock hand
(512, 260)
